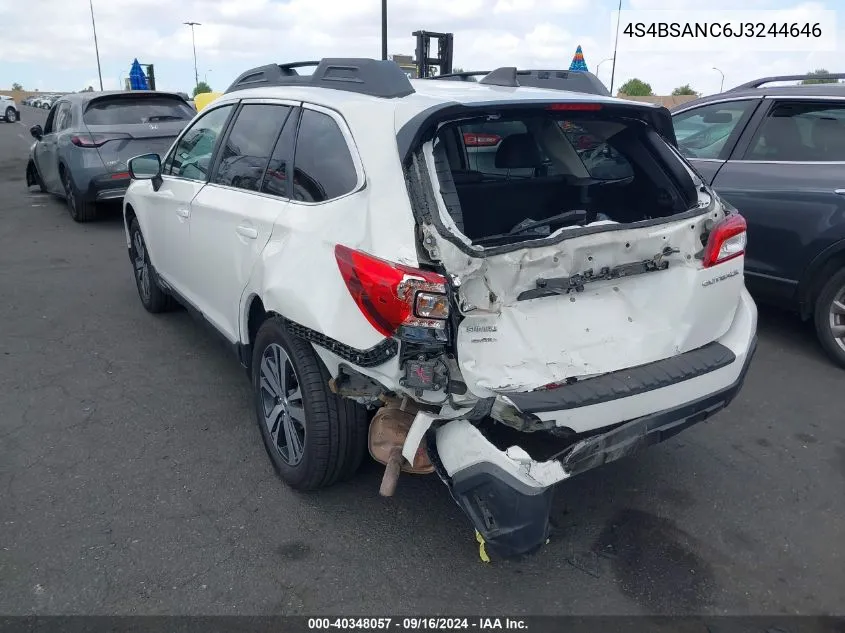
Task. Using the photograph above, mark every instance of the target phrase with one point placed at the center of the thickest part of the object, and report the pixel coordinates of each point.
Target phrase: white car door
(167, 215)
(232, 217)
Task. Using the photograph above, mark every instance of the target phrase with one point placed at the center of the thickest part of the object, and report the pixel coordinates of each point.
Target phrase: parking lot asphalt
(133, 479)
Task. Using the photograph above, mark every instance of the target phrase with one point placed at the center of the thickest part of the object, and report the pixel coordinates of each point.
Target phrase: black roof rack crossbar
(750, 85)
(466, 75)
(574, 81)
(376, 78)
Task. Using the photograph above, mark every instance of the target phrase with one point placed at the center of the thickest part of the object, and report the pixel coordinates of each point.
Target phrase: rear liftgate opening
(552, 226)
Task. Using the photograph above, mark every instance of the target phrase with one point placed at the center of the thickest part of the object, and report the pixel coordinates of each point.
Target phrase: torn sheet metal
(506, 344)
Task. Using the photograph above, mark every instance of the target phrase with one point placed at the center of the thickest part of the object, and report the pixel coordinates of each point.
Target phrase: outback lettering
(716, 280)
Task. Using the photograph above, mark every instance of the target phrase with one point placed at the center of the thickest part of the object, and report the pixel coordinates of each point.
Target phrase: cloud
(53, 45)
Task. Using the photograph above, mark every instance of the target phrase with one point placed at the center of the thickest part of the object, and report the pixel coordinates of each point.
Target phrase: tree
(89, 89)
(684, 90)
(17, 86)
(819, 72)
(201, 88)
(636, 88)
(458, 69)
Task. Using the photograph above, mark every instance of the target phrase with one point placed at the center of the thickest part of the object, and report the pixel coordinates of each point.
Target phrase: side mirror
(37, 132)
(146, 167)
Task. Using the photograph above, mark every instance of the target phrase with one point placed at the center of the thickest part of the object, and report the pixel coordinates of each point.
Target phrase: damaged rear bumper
(507, 494)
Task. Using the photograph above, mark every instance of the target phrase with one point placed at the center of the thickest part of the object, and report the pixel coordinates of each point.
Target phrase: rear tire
(81, 210)
(829, 317)
(11, 115)
(290, 387)
(152, 296)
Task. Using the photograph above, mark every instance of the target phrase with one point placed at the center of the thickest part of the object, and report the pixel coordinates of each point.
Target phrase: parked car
(777, 153)
(9, 111)
(81, 151)
(506, 333)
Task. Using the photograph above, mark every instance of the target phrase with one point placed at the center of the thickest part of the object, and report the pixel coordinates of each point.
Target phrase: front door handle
(247, 231)
(182, 212)
(840, 192)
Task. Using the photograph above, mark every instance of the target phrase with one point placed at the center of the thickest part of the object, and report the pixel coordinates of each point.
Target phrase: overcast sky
(48, 44)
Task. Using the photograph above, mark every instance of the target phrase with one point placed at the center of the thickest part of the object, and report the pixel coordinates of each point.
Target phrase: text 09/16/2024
(713, 30)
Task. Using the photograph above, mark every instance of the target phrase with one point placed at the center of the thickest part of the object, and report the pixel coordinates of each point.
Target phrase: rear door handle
(247, 231)
(182, 212)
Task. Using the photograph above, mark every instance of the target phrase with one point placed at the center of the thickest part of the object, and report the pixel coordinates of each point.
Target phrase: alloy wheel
(837, 318)
(282, 405)
(142, 267)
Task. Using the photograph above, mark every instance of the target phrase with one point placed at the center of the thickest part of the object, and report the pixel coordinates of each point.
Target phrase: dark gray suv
(82, 150)
(778, 154)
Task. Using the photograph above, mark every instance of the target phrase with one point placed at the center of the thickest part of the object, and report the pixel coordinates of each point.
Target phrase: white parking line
(22, 136)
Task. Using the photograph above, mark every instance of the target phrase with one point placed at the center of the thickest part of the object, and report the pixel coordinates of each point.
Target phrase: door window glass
(191, 157)
(801, 131)
(247, 149)
(703, 132)
(276, 178)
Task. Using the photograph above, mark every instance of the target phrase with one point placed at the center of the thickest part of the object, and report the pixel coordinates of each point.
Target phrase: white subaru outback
(506, 318)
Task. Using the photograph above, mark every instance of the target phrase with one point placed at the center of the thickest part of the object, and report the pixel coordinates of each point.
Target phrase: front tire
(313, 437)
(153, 298)
(11, 115)
(829, 317)
(81, 210)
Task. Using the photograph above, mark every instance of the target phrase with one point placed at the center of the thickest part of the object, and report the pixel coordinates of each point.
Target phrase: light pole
(384, 29)
(96, 46)
(721, 85)
(598, 66)
(194, 42)
(615, 46)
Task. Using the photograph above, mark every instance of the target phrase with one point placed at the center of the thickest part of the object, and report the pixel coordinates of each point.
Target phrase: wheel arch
(128, 215)
(821, 267)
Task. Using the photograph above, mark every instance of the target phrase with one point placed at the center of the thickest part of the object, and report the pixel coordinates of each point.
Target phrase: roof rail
(750, 85)
(376, 78)
(574, 81)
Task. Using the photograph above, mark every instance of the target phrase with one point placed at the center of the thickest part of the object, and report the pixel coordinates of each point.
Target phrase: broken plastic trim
(565, 285)
(372, 357)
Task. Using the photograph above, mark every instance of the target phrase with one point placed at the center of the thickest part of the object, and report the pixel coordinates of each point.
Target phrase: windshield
(121, 110)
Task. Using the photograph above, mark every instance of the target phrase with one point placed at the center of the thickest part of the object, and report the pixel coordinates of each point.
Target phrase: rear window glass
(128, 110)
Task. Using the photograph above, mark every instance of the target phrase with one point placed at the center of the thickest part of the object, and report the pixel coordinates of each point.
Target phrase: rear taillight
(96, 140)
(726, 241)
(392, 295)
(481, 140)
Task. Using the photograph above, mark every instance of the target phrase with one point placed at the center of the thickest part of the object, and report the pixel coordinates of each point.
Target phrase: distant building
(406, 63)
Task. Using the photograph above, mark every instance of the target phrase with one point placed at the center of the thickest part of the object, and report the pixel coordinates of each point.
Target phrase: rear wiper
(536, 224)
(576, 283)
(163, 117)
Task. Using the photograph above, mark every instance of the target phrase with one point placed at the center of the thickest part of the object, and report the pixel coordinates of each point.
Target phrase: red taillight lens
(96, 140)
(120, 175)
(574, 107)
(726, 241)
(481, 140)
(391, 295)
